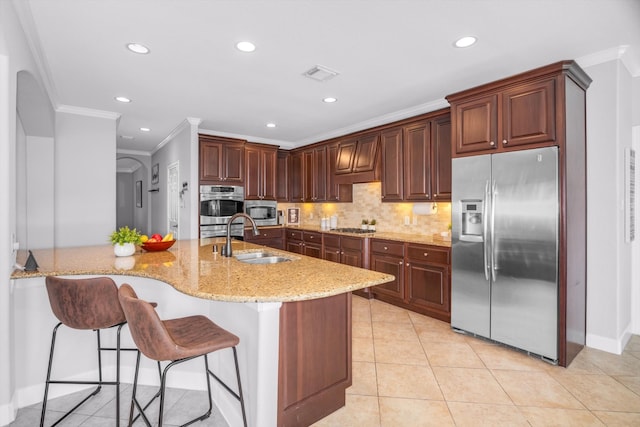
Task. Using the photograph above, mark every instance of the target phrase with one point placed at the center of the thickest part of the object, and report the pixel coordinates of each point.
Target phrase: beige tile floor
(412, 370)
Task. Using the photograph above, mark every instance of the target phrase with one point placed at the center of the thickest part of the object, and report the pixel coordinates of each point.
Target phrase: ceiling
(395, 58)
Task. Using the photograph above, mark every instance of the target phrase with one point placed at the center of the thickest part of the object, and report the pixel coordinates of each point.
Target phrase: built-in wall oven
(263, 212)
(218, 203)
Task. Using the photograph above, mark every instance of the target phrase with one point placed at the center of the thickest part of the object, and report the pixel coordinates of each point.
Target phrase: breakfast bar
(293, 319)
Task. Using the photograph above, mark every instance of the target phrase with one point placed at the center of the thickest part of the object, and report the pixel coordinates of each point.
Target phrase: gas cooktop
(354, 230)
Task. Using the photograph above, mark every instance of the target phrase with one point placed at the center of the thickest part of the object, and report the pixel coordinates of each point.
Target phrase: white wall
(85, 179)
(609, 107)
(176, 149)
(125, 199)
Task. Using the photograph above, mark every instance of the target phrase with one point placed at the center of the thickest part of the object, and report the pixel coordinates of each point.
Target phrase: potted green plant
(372, 225)
(365, 224)
(124, 241)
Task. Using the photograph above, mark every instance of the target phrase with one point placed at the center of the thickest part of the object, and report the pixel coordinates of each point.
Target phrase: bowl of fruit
(157, 242)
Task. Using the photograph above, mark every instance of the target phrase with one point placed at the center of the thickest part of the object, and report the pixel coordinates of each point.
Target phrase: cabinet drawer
(332, 241)
(428, 254)
(353, 243)
(385, 247)
(269, 233)
(312, 237)
(294, 235)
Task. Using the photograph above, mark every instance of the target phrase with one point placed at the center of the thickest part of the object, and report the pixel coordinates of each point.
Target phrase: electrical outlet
(407, 220)
(310, 215)
(415, 220)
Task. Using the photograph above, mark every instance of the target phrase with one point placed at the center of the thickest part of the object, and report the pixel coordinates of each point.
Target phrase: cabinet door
(295, 178)
(428, 287)
(336, 192)
(441, 157)
(252, 190)
(210, 161)
(282, 176)
(390, 265)
(417, 161)
(392, 165)
(319, 174)
(307, 176)
(295, 246)
(312, 250)
(366, 152)
(476, 124)
(351, 249)
(346, 155)
(233, 163)
(529, 114)
(268, 161)
(331, 253)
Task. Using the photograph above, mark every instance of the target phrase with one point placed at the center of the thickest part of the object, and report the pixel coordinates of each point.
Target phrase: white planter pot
(124, 249)
(364, 227)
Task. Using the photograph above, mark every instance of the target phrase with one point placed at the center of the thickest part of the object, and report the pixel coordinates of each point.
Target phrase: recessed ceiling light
(465, 41)
(145, 129)
(138, 48)
(122, 99)
(271, 125)
(246, 46)
(329, 99)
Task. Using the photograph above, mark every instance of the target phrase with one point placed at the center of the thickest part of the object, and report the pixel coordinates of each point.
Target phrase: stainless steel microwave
(263, 212)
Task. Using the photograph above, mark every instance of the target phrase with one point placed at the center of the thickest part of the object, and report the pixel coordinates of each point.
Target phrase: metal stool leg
(244, 415)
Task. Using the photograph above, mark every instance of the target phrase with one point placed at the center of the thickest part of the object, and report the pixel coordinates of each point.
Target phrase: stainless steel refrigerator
(504, 278)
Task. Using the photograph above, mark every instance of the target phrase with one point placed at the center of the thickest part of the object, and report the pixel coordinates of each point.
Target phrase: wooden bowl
(157, 246)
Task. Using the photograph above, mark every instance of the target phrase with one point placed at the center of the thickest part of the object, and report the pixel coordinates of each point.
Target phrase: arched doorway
(132, 185)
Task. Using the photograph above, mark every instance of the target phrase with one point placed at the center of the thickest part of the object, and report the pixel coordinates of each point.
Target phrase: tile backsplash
(367, 204)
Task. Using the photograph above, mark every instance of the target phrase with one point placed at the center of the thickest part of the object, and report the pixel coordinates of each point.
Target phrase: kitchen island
(293, 319)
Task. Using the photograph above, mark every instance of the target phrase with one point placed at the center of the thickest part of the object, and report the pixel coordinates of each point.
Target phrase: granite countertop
(191, 267)
(435, 240)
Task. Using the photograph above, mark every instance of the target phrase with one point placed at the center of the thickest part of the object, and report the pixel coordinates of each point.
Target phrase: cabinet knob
(492, 143)
(337, 252)
(386, 248)
(408, 264)
(400, 262)
(504, 142)
(426, 254)
(310, 237)
(382, 197)
(342, 253)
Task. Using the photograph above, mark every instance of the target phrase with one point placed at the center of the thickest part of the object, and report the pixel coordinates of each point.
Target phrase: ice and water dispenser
(472, 217)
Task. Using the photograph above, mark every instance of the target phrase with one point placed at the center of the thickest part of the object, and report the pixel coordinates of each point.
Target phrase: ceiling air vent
(320, 73)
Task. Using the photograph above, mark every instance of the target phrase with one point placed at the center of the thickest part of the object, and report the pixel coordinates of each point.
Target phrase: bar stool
(88, 304)
(175, 340)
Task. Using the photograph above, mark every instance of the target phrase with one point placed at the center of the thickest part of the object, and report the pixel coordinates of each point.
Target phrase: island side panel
(315, 359)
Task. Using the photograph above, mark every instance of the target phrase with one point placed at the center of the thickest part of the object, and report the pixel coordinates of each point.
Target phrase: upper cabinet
(416, 160)
(282, 176)
(221, 160)
(511, 114)
(357, 159)
(260, 179)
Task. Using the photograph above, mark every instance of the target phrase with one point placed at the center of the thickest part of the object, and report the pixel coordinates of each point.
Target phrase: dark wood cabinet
(296, 179)
(282, 176)
(422, 276)
(416, 160)
(221, 160)
(357, 158)
(307, 243)
(388, 257)
(260, 167)
(271, 237)
(345, 249)
(336, 192)
(515, 116)
(441, 158)
(314, 366)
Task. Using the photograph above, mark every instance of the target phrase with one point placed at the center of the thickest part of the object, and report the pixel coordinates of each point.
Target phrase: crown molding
(89, 112)
(186, 123)
(378, 121)
(133, 152)
(25, 16)
(629, 57)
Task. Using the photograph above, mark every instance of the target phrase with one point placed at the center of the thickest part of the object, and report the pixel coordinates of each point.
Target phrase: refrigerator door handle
(494, 196)
(485, 241)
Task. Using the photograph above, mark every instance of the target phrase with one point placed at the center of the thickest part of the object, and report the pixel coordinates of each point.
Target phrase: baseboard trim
(610, 345)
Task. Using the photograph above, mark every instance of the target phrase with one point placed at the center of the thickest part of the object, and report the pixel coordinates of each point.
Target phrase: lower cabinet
(315, 359)
(347, 250)
(307, 243)
(423, 276)
(271, 237)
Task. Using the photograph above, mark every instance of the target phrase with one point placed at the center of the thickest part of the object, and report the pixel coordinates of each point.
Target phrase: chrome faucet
(226, 250)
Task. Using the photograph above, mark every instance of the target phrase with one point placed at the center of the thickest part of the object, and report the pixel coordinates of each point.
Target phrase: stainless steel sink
(261, 258)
